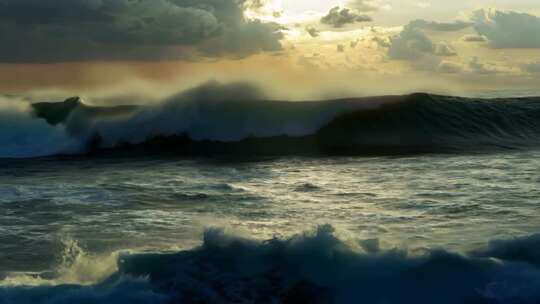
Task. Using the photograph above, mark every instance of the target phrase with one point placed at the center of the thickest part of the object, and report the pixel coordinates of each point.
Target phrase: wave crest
(315, 267)
(22, 135)
(219, 119)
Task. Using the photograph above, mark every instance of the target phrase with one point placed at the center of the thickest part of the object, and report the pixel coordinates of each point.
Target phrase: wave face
(236, 119)
(22, 135)
(431, 123)
(313, 267)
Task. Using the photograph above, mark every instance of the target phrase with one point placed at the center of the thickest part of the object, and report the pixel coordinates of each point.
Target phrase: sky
(125, 50)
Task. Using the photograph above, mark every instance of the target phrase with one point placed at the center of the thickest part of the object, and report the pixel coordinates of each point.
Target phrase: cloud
(255, 4)
(382, 42)
(83, 30)
(448, 67)
(479, 67)
(444, 49)
(440, 26)
(311, 63)
(412, 43)
(338, 17)
(363, 5)
(507, 29)
(313, 32)
(474, 38)
(423, 4)
(532, 68)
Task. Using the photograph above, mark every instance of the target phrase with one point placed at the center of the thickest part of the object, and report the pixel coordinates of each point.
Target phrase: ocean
(216, 197)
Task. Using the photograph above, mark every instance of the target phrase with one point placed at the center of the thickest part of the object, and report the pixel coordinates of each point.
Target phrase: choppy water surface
(226, 211)
(342, 229)
(450, 201)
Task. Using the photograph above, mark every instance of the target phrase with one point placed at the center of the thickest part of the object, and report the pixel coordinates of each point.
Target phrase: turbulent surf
(313, 267)
(236, 119)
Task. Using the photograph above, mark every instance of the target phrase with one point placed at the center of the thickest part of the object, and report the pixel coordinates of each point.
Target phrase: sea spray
(76, 267)
(235, 120)
(23, 136)
(315, 266)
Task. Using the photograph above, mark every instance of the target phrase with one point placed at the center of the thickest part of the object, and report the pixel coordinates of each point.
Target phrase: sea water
(219, 197)
(67, 221)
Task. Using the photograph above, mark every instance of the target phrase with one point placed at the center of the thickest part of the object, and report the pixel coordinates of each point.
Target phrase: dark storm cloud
(78, 30)
(338, 17)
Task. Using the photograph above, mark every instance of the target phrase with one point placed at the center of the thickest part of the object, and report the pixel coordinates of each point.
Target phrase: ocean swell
(424, 122)
(313, 267)
(236, 119)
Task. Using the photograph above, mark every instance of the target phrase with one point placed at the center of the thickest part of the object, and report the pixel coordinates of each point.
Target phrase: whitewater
(221, 195)
(215, 119)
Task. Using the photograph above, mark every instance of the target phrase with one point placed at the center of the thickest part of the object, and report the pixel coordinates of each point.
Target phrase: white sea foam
(232, 113)
(22, 135)
(219, 113)
(315, 267)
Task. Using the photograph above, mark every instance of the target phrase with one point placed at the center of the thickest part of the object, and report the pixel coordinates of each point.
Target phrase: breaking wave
(313, 267)
(237, 119)
(22, 135)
